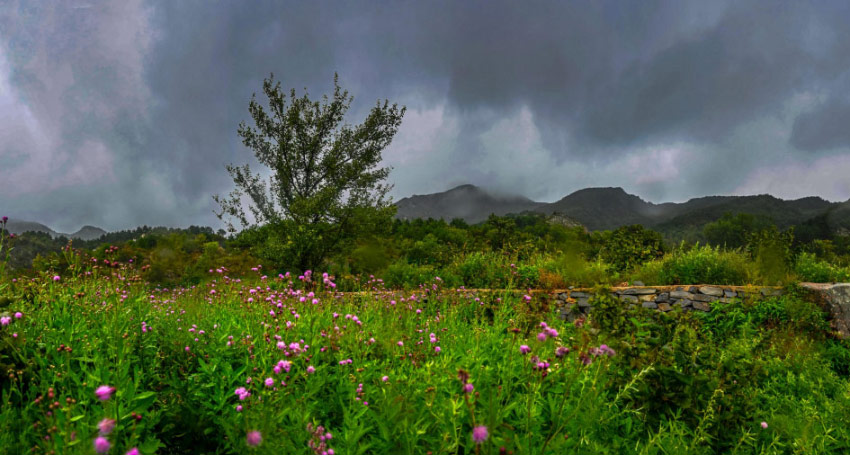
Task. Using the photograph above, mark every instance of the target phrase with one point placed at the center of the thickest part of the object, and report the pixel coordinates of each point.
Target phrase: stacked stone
(688, 298)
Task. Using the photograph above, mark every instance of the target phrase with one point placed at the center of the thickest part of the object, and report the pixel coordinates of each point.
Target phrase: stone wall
(832, 298)
(576, 302)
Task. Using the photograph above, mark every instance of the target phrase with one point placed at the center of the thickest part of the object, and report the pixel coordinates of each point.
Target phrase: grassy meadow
(97, 360)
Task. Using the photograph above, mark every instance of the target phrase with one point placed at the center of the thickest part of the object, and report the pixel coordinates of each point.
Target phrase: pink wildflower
(479, 434)
(101, 445)
(524, 349)
(106, 426)
(254, 438)
(104, 392)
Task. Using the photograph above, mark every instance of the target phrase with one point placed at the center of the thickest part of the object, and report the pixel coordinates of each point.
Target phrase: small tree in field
(326, 185)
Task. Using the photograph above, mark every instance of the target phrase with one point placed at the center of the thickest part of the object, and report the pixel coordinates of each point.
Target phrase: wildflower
(385, 378)
(19, 315)
(541, 336)
(56, 278)
(242, 393)
(468, 388)
(311, 369)
(400, 343)
(5, 320)
(437, 349)
(254, 438)
(479, 434)
(104, 392)
(101, 445)
(106, 426)
(764, 425)
(269, 382)
(133, 451)
(561, 351)
(238, 408)
(524, 349)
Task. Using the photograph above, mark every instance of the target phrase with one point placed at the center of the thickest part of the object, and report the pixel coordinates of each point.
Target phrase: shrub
(809, 268)
(704, 264)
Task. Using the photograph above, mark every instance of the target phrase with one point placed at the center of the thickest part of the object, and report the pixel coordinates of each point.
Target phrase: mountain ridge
(603, 208)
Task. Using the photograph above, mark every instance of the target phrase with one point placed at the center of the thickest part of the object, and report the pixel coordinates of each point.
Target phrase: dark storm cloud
(126, 113)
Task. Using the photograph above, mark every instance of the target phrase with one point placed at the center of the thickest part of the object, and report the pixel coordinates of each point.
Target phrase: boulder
(711, 290)
(704, 298)
(835, 300)
(728, 293)
(681, 295)
(663, 297)
(650, 305)
(647, 298)
(702, 306)
(579, 295)
(639, 291)
(664, 307)
(629, 298)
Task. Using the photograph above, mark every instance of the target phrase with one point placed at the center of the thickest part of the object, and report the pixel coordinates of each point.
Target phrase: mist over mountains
(610, 208)
(593, 208)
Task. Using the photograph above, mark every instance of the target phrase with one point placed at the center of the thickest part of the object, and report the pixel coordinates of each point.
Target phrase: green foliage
(702, 264)
(326, 188)
(630, 246)
(734, 231)
(808, 268)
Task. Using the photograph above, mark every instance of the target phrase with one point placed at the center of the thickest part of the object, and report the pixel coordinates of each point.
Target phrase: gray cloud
(125, 113)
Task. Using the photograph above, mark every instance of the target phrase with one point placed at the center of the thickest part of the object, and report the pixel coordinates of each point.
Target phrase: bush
(809, 268)
(704, 264)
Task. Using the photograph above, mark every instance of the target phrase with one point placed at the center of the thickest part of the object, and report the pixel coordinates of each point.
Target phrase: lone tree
(326, 186)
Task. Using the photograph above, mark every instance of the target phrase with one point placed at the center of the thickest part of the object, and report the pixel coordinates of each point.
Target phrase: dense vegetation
(94, 358)
(521, 251)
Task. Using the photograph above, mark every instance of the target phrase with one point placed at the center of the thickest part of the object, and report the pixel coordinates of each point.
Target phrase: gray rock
(639, 291)
(725, 300)
(693, 289)
(681, 295)
(704, 298)
(647, 298)
(664, 307)
(767, 292)
(686, 303)
(562, 296)
(629, 298)
(663, 297)
(650, 305)
(583, 302)
(702, 306)
(579, 295)
(711, 290)
(728, 293)
(638, 283)
(835, 300)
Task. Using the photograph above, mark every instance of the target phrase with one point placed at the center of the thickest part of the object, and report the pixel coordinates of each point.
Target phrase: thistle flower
(479, 434)
(254, 438)
(524, 349)
(101, 445)
(106, 426)
(311, 369)
(468, 388)
(133, 451)
(764, 425)
(104, 392)
(5, 320)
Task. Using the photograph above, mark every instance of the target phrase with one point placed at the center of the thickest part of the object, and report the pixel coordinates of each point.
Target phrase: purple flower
(19, 315)
(254, 438)
(524, 349)
(561, 351)
(106, 426)
(56, 278)
(5, 320)
(269, 382)
(133, 451)
(468, 388)
(764, 425)
(104, 392)
(479, 434)
(101, 445)
(385, 378)
(541, 336)
(311, 369)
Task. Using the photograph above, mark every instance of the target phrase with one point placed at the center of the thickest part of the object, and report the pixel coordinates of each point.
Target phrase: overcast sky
(124, 113)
